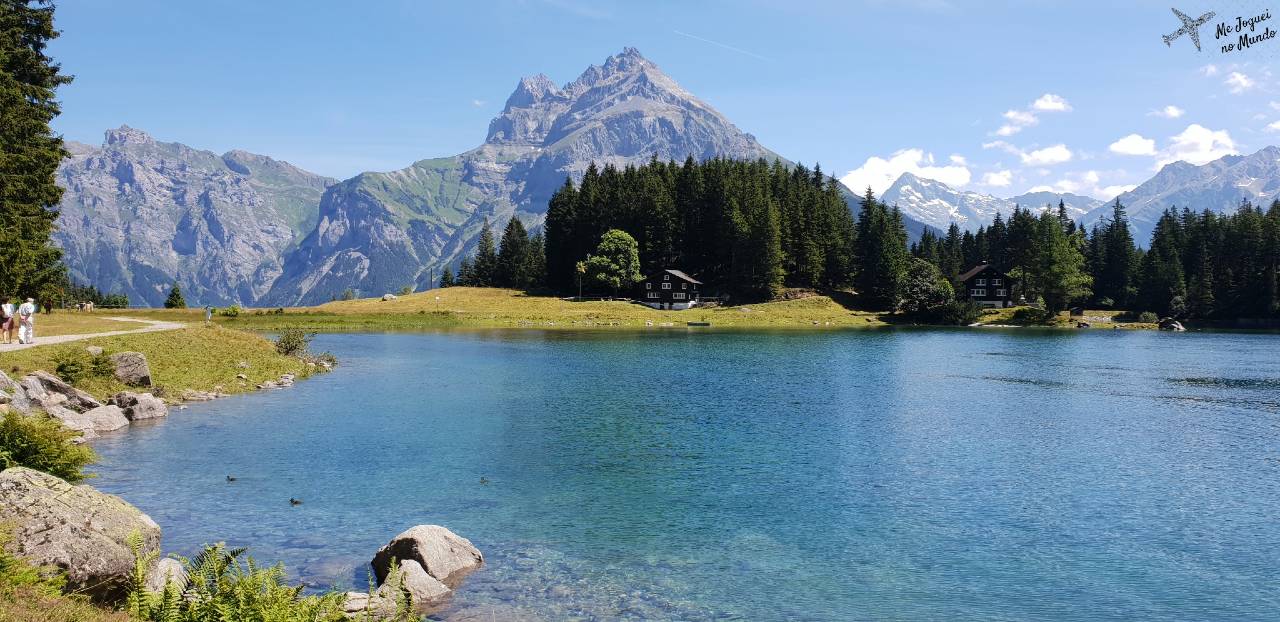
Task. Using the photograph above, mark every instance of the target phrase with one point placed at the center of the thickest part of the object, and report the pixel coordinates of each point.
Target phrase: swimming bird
(293, 501)
(230, 479)
(484, 481)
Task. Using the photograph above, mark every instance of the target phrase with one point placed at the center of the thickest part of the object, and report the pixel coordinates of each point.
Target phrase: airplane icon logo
(1189, 27)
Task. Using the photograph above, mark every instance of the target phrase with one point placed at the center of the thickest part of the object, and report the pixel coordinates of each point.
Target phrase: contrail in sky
(723, 45)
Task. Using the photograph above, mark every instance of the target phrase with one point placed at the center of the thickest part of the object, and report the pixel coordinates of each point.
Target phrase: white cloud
(1197, 144)
(1209, 70)
(998, 179)
(959, 160)
(1274, 127)
(1003, 146)
(478, 103)
(1274, 105)
(1018, 120)
(1168, 112)
(1134, 145)
(1092, 177)
(880, 173)
(1056, 154)
(1051, 103)
(1041, 189)
(1238, 82)
(1111, 192)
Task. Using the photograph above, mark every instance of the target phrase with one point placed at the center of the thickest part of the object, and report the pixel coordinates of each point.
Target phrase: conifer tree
(175, 299)
(513, 257)
(446, 277)
(30, 150)
(484, 267)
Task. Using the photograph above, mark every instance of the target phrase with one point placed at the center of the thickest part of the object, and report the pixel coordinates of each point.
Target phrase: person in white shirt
(6, 319)
(27, 321)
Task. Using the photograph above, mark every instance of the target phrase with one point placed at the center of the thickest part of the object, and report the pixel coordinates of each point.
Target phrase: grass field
(470, 307)
(198, 358)
(1107, 319)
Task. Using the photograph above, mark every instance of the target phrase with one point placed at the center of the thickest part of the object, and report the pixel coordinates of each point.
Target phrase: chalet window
(648, 285)
(996, 282)
(666, 277)
(684, 286)
(978, 292)
(653, 294)
(677, 296)
(666, 286)
(980, 282)
(1002, 292)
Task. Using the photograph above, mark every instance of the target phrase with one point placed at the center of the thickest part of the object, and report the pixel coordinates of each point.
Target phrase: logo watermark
(1232, 35)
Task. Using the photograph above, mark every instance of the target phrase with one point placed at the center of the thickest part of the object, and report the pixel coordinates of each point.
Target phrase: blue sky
(993, 96)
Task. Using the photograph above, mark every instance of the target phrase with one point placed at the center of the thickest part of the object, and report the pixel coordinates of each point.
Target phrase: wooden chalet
(668, 289)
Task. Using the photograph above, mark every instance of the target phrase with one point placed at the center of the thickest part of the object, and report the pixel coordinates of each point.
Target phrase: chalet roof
(974, 271)
(680, 275)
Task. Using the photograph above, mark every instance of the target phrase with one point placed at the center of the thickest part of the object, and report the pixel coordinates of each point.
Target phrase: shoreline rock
(77, 529)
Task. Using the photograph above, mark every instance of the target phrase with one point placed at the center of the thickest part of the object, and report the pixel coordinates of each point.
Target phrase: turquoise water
(874, 475)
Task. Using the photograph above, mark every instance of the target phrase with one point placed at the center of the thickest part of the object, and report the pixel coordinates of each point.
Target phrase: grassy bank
(199, 358)
(471, 307)
(1096, 319)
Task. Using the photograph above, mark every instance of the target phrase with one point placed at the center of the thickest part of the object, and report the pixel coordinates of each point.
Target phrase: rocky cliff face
(381, 231)
(139, 215)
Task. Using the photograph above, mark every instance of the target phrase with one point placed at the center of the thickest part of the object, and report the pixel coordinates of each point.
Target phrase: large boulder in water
(75, 528)
(443, 554)
(424, 591)
(132, 368)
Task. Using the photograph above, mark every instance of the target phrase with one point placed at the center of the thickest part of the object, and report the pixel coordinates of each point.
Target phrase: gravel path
(152, 326)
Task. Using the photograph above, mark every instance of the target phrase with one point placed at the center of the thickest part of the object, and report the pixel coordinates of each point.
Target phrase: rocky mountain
(138, 215)
(938, 205)
(378, 232)
(1217, 186)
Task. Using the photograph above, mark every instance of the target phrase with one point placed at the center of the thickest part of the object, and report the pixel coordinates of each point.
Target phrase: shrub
(956, 313)
(70, 364)
(101, 366)
(40, 442)
(293, 342)
(1031, 315)
(1148, 317)
(232, 311)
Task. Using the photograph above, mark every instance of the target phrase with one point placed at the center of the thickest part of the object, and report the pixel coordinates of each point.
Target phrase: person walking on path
(27, 321)
(7, 312)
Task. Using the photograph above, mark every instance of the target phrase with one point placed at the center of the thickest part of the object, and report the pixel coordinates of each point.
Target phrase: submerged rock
(75, 528)
(132, 368)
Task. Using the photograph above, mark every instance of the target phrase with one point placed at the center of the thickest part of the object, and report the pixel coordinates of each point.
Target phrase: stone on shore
(138, 406)
(93, 350)
(132, 368)
(82, 531)
(1171, 324)
(49, 391)
(18, 400)
(167, 570)
(97, 420)
(191, 395)
(73, 420)
(443, 554)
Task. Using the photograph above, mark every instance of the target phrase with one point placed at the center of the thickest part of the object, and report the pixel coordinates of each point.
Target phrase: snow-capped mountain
(938, 205)
(1218, 186)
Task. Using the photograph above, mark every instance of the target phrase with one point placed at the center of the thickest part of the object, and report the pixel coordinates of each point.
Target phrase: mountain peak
(531, 90)
(125, 135)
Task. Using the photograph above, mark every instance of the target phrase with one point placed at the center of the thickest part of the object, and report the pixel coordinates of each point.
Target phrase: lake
(672, 475)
